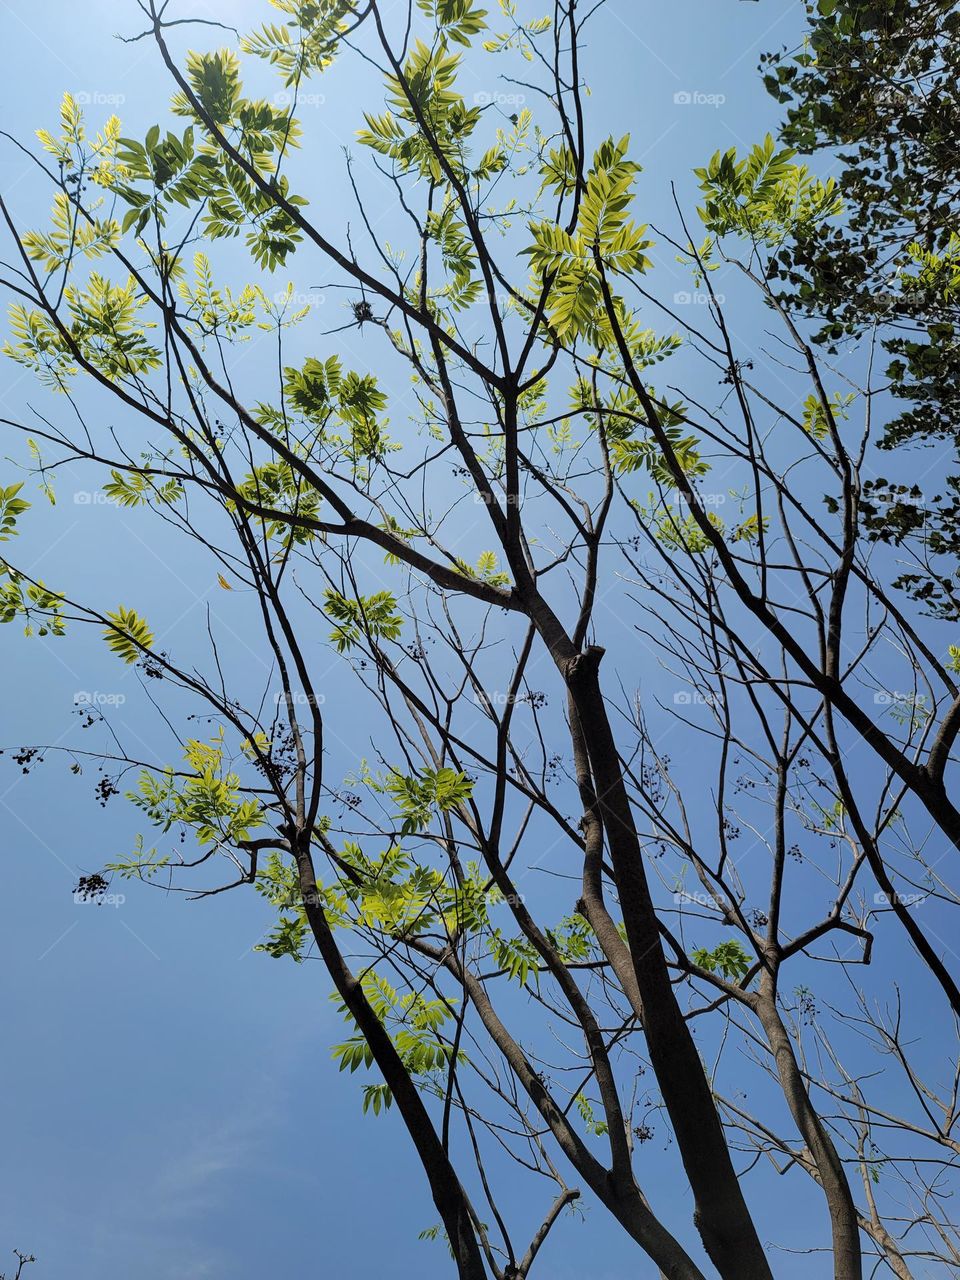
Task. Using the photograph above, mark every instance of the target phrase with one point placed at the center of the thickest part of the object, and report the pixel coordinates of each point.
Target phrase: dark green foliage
(878, 84)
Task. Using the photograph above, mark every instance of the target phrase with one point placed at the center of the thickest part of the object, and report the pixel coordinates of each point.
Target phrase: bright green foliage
(558, 171)
(435, 1232)
(672, 528)
(312, 391)
(71, 132)
(169, 171)
(107, 327)
(515, 956)
(403, 898)
(700, 260)
(70, 235)
(41, 608)
(260, 131)
(207, 801)
(573, 938)
(622, 417)
(435, 109)
(507, 151)
(218, 311)
(831, 819)
(215, 79)
(73, 150)
(105, 331)
(277, 487)
(40, 473)
(521, 35)
(277, 881)
(485, 570)
(179, 170)
(457, 253)
(815, 420)
(457, 20)
(432, 790)
(11, 506)
(937, 273)
(376, 1098)
(129, 636)
(237, 203)
(391, 894)
(466, 904)
(288, 937)
(142, 864)
(748, 530)
(619, 414)
(392, 525)
(597, 1127)
(307, 43)
(346, 407)
(359, 402)
(729, 959)
(138, 490)
(910, 709)
(398, 895)
(38, 346)
(764, 196)
(603, 232)
(374, 616)
(413, 1024)
(630, 455)
(675, 530)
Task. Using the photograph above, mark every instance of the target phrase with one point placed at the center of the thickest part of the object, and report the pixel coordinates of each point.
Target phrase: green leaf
(729, 959)
(373, 616)
(128, 636)
(10, 508)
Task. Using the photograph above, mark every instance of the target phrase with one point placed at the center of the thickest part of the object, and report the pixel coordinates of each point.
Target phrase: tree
(23, 1260)
(875, 84)
(458, 563)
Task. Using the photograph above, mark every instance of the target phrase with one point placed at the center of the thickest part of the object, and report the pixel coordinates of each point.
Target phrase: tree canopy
(648, 819)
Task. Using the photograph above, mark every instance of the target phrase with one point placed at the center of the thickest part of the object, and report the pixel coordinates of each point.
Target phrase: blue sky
(170, 1109)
